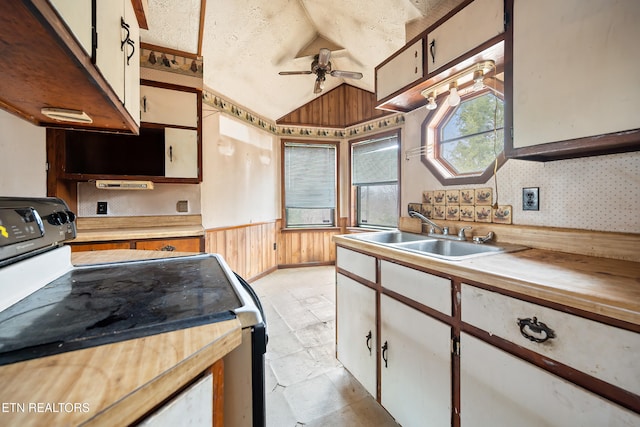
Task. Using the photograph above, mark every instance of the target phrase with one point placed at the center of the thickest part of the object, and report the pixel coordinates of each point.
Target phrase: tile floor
(305, 384)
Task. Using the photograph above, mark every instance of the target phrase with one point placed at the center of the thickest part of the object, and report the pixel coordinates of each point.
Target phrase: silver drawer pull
(542, 332)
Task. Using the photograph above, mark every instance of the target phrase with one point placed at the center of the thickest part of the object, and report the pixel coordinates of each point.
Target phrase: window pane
(310, 184)
(473, 154)
(378, 205)
(375, 161)
(474, 116)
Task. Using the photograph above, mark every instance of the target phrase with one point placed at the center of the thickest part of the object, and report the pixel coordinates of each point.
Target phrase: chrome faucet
(432, 224)
(483, 239)
(443, 230)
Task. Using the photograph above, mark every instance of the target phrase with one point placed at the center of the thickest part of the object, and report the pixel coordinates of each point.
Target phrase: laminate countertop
(111, 384)
(603, 286)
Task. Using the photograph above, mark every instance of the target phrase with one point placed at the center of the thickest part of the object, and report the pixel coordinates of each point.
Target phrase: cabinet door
(181, 153)
(356, 330)
(416, 367)
(109, 54)
(77, 15)
(168, 106)
(469, 28)
(132, 64)
(573, 69)
(400, 71)
(498, 389)
(193, 407)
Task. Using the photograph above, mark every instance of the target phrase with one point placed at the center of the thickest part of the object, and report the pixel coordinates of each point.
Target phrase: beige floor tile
(305, 383)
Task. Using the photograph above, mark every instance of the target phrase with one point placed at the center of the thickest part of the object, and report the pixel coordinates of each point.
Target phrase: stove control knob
(54, 219)
(71, 216)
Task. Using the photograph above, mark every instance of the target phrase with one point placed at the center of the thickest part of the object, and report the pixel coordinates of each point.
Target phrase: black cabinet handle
(126, 28)
(385, 347)
(542, 331)
(171, 153)
(432, 50)
(368, 337)
(168, 248)
(133, 49)
(144, 103)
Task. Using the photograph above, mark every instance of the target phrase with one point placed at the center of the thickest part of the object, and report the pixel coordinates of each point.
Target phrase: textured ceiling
(246, 43)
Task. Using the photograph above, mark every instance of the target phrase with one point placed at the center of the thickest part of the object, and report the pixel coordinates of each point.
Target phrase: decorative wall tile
(453, 212)
(438, 212)
(467, 197)
(467, 213)
(502, 215)
(452, 197)
(427, 197)
(484, 196)
(483, 213)
(439, 197)
(163, 61)
(427, 210)
(416, 207)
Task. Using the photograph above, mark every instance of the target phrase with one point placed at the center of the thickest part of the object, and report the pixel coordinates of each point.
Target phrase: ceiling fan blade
(347, 74)
(323, 57)
(293, 73)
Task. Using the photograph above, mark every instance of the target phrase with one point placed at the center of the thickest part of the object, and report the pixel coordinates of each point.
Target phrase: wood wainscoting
(254, 250)
(248, 249)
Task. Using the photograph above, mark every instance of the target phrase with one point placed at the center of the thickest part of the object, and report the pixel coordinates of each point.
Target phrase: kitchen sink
(388, 237)
(452, 250)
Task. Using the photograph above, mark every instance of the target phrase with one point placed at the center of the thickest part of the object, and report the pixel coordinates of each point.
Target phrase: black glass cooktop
(107, 303)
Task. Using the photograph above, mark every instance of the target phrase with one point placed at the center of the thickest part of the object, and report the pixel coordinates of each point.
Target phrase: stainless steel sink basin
(389, 237)
(452, 250)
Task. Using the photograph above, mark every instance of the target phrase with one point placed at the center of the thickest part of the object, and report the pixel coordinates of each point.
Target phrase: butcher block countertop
(112, 384)
(96, 229)
(603, 286)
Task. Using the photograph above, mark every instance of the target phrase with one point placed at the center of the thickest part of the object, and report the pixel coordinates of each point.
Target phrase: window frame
(497, 88)
(336, 210)
(353, 193)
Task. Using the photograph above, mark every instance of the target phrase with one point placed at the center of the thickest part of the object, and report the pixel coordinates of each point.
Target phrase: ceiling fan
(321, 66)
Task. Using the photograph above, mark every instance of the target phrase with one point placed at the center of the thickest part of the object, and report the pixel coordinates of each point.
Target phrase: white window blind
(375, 161)
(310, 184)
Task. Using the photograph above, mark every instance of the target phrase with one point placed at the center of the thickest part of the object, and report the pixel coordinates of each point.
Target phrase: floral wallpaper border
(224, 105)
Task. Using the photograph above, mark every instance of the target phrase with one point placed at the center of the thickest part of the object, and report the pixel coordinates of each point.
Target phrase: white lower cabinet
(356, 330)
(416, 365)
(193, 407)
(499, 389)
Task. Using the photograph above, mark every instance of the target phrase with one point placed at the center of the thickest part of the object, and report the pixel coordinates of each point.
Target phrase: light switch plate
(530, 199)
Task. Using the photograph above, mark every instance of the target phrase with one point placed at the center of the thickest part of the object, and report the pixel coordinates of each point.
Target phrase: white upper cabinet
(118, 51)
(575, 69)
(168, 106)
(477, 23)
(77, 15)
(403, 69)
(181, 153)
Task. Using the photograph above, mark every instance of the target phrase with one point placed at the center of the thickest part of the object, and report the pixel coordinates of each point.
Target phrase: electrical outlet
(102, 208)
(530, 199)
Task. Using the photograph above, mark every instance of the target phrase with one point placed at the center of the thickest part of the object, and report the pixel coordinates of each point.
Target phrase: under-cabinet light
(474, 73)
(65, 115)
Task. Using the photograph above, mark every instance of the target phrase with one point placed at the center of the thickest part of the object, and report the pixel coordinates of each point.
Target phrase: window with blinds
(375, 180)
(309, 175)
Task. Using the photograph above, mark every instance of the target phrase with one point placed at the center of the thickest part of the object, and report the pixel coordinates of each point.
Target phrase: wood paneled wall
(341, 107)
(248, 249)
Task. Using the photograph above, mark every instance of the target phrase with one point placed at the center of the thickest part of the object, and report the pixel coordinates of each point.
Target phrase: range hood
(112, 184)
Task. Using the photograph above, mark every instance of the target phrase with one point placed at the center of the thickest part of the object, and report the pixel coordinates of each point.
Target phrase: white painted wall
(592, 193)
(241, 172)
(22, 157)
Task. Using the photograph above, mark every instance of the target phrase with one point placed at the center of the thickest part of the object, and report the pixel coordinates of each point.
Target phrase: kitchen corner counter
(112, 384)
(602, 286)
(97, 229)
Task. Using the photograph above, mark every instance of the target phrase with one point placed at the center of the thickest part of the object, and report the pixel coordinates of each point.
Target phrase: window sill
(307, 229)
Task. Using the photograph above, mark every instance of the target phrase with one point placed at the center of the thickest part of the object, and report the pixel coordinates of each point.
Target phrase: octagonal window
(464, 141)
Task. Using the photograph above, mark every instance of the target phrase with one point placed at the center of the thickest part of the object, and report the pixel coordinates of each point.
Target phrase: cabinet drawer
(359, 264)
(602, 351)
(178, 245)
(432, 291)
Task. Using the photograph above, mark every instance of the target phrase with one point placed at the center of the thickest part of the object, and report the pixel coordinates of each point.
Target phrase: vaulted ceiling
(244, 44)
